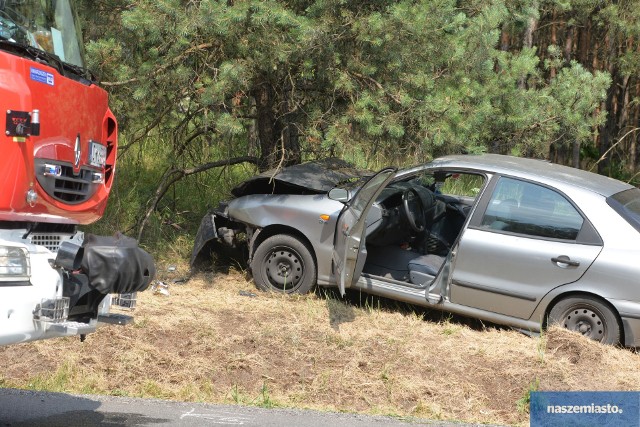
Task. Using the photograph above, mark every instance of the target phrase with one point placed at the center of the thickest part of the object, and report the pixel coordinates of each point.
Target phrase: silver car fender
(302, 214)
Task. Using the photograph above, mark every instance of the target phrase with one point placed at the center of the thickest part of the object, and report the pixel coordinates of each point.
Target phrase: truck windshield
(47, 25)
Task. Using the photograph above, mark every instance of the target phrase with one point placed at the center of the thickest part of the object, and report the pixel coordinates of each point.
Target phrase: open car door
(349, 250)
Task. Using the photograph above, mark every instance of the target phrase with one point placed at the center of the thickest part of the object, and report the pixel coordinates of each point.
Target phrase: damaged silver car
(513, 241)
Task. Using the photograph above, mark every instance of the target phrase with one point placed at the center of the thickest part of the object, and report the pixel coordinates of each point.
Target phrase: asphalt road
(40, 409)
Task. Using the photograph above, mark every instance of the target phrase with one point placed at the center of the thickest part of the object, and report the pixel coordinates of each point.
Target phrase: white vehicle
(57, 164)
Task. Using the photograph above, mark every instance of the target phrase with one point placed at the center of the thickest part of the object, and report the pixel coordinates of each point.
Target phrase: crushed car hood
(307, 178)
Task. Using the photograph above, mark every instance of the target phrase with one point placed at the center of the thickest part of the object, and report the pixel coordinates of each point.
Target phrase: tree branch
(160, 69)
(171, 176)
(606, 153)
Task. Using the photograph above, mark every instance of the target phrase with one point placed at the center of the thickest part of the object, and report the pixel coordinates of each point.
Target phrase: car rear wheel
(283, 263)
(587, 315)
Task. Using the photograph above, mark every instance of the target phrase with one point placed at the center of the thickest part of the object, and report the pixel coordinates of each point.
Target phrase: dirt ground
(215, 338)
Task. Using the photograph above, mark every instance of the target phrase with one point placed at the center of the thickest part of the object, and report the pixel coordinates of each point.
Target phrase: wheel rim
(585, 321)
(283, 268)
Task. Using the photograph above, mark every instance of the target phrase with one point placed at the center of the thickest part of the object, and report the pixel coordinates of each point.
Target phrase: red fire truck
(57, 164)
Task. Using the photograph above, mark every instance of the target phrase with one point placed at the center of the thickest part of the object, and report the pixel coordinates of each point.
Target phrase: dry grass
(209, 341)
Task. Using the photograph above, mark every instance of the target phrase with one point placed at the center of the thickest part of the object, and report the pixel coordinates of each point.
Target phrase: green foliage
(179, 213)
(402, 81)
(404, 77)
(522, 404)
(263, 399)
(57, 381)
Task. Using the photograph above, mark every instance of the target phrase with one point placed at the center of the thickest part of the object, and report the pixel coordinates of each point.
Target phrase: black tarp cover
(116, 264)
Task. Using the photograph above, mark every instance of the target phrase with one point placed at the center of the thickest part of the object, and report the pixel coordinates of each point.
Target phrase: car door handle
(563, 259)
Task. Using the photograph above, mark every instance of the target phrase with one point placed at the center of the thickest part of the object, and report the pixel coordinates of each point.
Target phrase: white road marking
(218, 417)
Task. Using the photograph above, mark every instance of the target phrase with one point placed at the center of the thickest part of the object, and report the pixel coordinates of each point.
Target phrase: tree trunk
(527, 41)
(278, 134)
(269, 134)
(554, 40)
(292, 143)
(575, 158)
(623, 120)
(568, 44)
(633, 152)
(607, 131)
(290, 135)
(584, 44)
(504, 39)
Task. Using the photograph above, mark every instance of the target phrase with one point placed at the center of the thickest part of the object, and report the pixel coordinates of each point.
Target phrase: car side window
(525, 208)
(461, 184)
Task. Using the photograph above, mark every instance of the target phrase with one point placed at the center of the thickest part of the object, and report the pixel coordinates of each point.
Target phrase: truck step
(115, 319)
(72, 328)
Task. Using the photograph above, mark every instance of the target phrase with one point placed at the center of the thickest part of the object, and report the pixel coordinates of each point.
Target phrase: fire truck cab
(58, 146)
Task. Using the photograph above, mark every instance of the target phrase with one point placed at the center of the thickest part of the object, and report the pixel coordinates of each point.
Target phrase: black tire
(588, 315)
(284, 264)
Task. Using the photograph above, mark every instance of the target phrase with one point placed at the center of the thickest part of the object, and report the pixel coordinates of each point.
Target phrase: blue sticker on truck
(41, 76)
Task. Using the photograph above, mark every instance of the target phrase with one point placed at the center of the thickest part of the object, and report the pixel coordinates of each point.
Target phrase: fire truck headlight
(14, 264)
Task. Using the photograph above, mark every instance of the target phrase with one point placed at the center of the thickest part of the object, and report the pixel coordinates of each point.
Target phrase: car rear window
(627, 204)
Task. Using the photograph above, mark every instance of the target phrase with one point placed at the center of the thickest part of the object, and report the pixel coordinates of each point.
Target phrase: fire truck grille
(70, 188)
(66, 186)
(49, 241)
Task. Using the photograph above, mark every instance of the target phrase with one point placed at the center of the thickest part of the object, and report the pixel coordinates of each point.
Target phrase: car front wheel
(283, 263)
(588, 316)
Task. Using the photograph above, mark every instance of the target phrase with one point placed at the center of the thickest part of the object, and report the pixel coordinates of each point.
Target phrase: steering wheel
(413, 209)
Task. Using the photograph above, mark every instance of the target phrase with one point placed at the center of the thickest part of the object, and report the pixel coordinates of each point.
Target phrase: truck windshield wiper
(79, 71)
(33, 53)
(42, 56)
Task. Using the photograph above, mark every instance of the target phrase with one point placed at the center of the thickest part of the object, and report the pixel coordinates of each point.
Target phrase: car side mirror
(339, 195)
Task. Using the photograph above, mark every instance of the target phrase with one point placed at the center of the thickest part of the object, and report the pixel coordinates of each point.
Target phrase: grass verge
(217, 339)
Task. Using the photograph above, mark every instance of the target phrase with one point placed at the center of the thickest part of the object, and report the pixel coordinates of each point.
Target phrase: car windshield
(48, 25)
(627, 204)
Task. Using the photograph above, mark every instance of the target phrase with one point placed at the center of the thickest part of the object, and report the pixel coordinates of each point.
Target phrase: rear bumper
(630, 316)
(631, 331)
